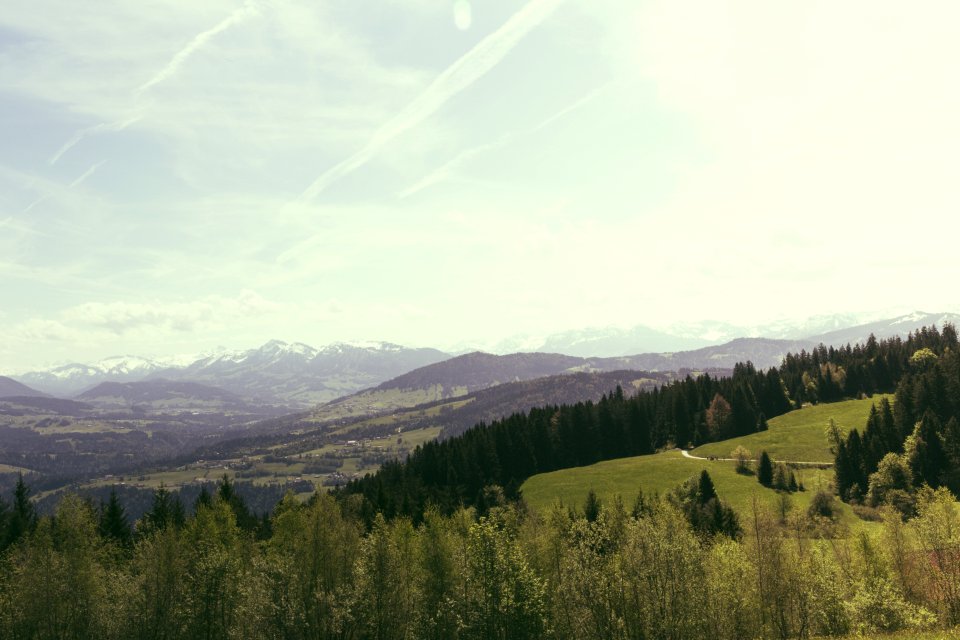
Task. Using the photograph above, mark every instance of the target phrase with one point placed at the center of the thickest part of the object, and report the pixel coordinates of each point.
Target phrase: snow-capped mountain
(295, 375)
(835, 329)
(69, 379)
(887, 328)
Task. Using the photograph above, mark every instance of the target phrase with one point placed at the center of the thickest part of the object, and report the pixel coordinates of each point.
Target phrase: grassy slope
(660, 473)
(798, 435)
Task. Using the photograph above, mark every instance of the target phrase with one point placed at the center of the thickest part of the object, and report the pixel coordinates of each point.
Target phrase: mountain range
(293, 375)
(296, 376)
(835, 329)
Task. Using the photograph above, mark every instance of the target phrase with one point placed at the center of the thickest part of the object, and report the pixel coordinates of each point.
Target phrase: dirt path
(687, 454)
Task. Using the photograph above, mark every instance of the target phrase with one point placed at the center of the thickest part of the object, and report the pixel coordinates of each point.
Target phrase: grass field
(796, 436)
(799, 435)
(660, 473)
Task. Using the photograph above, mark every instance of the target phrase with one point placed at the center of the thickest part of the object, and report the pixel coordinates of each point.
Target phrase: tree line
(658, 569)
(914, 441)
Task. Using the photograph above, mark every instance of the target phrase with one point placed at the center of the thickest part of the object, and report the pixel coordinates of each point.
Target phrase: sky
(176, 176)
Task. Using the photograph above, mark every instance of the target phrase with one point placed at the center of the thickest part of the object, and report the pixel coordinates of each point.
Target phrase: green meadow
(796, 436)
(800, 435)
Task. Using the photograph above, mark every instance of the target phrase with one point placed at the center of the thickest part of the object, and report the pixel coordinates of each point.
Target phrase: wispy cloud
(53, 189)
(86, 174)
(446, 170)
(120, 317)
(177, 61)
(168, 71)
(460, 75)
(119, 125)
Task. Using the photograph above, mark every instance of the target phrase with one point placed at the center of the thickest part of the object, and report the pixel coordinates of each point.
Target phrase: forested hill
(914, 442)
(506, 452)
(691, 411)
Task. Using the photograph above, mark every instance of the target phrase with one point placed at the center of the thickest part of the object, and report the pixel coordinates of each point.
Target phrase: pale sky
(180, 175)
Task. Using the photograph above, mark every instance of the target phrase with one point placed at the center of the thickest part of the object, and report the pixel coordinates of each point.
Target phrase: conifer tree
(23, 517)
(592, 506)
(705, 489)
(765, 470)
(113, 521)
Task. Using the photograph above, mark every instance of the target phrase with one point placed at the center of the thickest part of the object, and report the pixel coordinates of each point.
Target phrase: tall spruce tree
(113, 521)
(23, 516)
(765, 470)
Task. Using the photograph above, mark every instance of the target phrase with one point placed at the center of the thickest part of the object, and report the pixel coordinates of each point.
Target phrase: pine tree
(203, 500)
(705, 489)
(592, 507)
(765, 470)
(227, 492)
(23, 517)
(113, 521)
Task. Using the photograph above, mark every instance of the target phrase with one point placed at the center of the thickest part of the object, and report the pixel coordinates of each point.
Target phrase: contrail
(460, 75)
(198, 41)
(119, 125)
(168, 70)
(442, 172)
(35, 203)
(86, 174)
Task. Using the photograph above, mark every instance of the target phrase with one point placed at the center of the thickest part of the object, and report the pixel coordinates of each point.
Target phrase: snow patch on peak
(363, 345)
(119, 365)
(914, 317)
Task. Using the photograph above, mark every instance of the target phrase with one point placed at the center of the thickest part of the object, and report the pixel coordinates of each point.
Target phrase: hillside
(661, 472)
(447, 418)
(457, 377)
(10, 388)
(165, 396)
(762, 352)
(799, 435)
(795, 436)
(22, 405)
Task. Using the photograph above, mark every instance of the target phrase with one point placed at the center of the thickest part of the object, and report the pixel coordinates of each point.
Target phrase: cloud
(86, 174)
(461, 74)
(178, 60)
(118, 125)
(168, 71)
(446, 170)
(123, 317)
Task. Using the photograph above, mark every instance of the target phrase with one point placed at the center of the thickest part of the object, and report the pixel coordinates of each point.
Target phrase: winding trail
(687, 454)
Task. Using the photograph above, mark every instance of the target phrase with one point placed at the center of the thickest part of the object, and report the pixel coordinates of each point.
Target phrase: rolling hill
(795, 436)
(10, 388)
(459, 376)
(166, 396)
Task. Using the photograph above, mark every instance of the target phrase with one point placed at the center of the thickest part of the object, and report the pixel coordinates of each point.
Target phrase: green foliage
(511, 574)
(822, 505)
